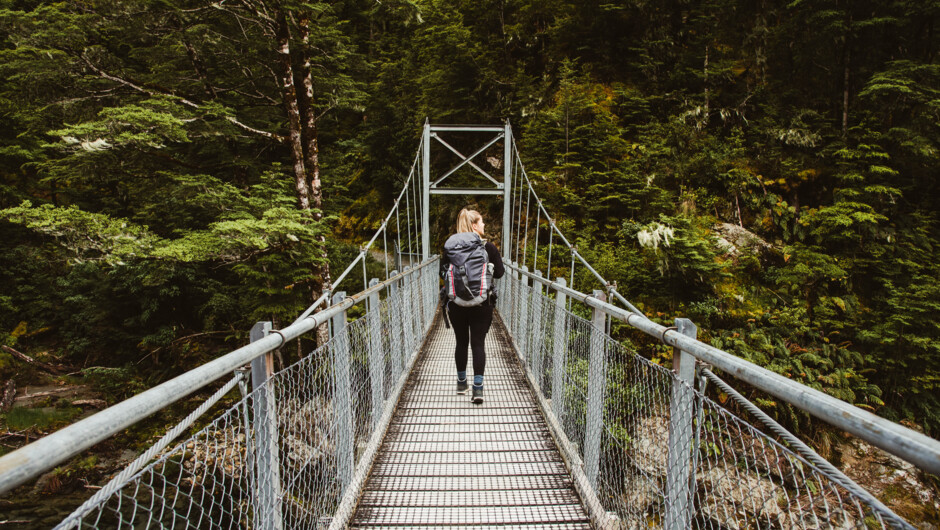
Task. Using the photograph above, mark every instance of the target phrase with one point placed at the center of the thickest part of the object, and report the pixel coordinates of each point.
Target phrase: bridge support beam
(537, 342)
(524, 323)
(395, 308)
(342, 398)
(681, 412)
(559, 354)
(507, 186)
(376, 354)
(267, 495)
(426, 192)
(597, 388)
(408, 316)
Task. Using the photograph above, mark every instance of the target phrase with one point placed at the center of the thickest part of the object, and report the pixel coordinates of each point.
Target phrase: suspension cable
(571, 282)
(119, 481)
(525, 239)
(408, 218)
(516, 184)
(519, 224)
(396, 208)
(398, 235)
(580, 258)
(805, 451)
(538, 221)
(550, 232)
(414, 192)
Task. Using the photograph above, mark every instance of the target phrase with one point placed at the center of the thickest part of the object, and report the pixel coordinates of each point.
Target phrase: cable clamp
(662, 338)
(279, 334)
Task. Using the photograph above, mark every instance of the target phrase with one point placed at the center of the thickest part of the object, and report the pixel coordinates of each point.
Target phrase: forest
(172, 172)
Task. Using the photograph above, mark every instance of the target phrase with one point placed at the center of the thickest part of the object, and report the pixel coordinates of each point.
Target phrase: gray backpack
(467, 279)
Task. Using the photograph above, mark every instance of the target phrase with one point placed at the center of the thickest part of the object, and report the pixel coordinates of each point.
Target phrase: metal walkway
(447, 462)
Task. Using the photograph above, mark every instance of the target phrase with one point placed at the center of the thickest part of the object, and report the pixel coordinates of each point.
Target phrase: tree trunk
(289, 94)
(845, 93)
(312, 165)
(310, 134)
(7, 396)
(705, 121)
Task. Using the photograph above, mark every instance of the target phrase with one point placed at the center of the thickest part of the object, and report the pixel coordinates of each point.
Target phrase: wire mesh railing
(652, 450)
(285, 454)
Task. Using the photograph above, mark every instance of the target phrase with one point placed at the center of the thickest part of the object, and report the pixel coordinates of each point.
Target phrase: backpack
(468, 281)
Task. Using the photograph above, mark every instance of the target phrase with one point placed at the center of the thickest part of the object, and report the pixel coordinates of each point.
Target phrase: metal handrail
(919, 449)
(28, 462)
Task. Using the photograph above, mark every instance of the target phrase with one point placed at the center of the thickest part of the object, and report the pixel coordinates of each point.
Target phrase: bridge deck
(447, 462)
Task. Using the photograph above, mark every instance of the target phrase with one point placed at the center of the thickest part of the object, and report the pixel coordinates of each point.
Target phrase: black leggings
(470, 327)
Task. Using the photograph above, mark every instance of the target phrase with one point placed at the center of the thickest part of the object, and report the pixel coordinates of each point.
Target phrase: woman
(472, 323)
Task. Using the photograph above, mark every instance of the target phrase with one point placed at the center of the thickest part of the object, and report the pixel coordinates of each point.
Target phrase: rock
(738, 499)
(650, 445)
(733, 240)
(896, 482)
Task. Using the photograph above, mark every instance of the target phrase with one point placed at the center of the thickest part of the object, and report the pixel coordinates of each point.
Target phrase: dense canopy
(171, 172)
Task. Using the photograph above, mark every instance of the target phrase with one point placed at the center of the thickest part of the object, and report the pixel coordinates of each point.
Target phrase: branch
(53, 392)
(138, 88)
(29, 360)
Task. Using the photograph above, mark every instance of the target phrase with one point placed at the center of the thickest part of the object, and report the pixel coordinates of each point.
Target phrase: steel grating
(446, 462)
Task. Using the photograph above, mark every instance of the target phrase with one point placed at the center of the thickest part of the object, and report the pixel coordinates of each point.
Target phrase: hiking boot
(461, 386)
(477, 394)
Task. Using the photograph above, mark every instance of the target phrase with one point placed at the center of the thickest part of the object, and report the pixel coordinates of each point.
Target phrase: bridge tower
(429, 187)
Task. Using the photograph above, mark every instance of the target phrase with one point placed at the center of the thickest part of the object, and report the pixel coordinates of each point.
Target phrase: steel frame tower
(429, 187)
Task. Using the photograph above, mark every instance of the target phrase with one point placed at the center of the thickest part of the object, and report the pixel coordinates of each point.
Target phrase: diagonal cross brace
(467, 159)
(471, 164)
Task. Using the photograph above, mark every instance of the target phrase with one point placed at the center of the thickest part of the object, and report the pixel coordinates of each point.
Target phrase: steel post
(419, 302)
(267, 505)
(395, 305)
(597, 387)
(516, 305)
(507, 185)
(681, 412)
(342, 395)
(425, 191)
(376, 354)
(537, 328)
(407, 315)
(523, 328)
(559, 354)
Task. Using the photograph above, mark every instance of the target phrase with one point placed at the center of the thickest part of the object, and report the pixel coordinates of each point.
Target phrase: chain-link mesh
(655, 450)
(274, 459)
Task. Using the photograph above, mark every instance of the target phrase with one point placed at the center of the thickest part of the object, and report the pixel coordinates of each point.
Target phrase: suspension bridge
(576, 431)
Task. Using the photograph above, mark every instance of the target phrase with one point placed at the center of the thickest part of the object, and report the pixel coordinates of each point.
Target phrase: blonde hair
(465, 220)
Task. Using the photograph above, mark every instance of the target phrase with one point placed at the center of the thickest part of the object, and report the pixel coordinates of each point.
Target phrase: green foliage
(115, 384)
(39, 419)
(139, 205)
